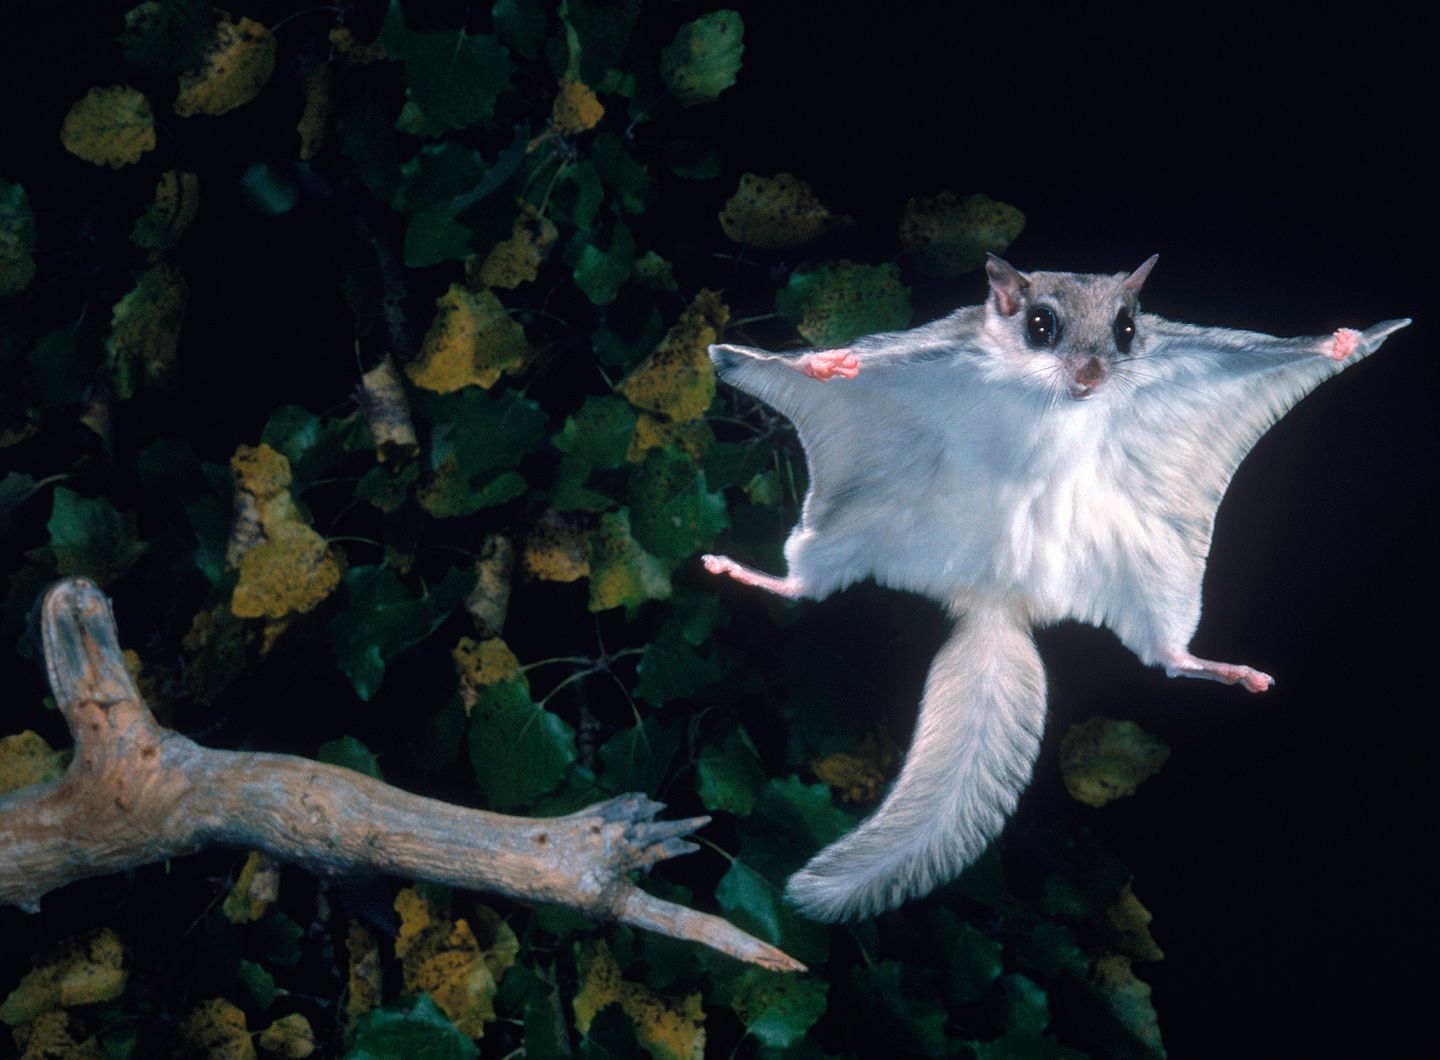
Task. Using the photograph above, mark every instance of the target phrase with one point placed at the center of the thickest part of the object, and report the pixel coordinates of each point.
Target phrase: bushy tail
(973, 752)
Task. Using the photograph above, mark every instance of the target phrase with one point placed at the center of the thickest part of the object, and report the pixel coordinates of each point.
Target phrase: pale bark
(137, 792)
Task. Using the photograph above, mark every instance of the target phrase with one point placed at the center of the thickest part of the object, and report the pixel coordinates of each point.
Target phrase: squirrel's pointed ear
(1007, 282)
(1136, 279)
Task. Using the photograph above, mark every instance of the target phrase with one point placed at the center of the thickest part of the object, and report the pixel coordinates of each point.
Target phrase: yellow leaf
(856, 779)
(485, 662)
(145, 324)
(948, 236)
(773, 213)
(517, 260)
(365, 972)
(255, 888)
(557, 549)
(1102, 760)
(232, 73)
(317, 111)
(289, 572)
(26, 759)
(261, 471)
(471, 341)
(111, 126)
(84, 971)
(356, 54)
(652, 432)
(576, 108)
(1130, 922)
(56, 1035)
(290, 1036)
(446, 960)
(177, 198)
(216, 1030)
(677, 380)
(669, 1029)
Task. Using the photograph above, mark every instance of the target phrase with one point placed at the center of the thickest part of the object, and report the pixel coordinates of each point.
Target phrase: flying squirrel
(1052, 453)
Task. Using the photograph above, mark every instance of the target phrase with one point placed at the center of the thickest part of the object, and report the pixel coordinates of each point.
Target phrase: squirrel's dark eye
(1040, 328)
(1124, 331)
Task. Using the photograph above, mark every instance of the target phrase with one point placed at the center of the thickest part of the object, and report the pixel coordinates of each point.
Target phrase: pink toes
(829, 363)
(1347, 341)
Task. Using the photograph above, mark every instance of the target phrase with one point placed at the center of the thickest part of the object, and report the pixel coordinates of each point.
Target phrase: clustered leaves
(479, 578)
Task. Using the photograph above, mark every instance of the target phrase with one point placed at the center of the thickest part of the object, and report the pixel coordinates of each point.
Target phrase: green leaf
(672, 669)
(692, 159)
(1020, 1005)
(616, 350)
(730, 777)
(831, 304)
(280, 938)
(673, 514)
(1025, 1047)
(313, 445)
(433, 179)
(621, 572)
(1050, 950)
(409, 1029)
(600, 271)
(350, 753)
(167, 36)
(611, 1036)
(88, 536)
(971, 960)
(600, 30)
(901, 998)
(62, 367)
(600, 432)
(17, 239)
(520, 26)
(387, 486)
(637, 758)
(704, 58)
(456, 77)
(369, 144)
(259, 982)
(381, 621)
(776, 1007)
(519, 750)
(477, 440)
(627, 179)
(576, 197)
(752, 900)
(269, 190)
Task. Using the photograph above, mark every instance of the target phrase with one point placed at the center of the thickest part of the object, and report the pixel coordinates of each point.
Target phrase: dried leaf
(236, 67)
(653, 432)
(832, 303)
(471, 341)
(356, 54)
(1130, 922)
(677, 381)
(856, 779)
(488, 602)
(704, 58)
(387, 413)
(774, 213)
(57, 1036)
(111, 126)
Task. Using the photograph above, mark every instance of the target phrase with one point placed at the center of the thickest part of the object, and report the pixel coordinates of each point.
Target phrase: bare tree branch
(137, 792)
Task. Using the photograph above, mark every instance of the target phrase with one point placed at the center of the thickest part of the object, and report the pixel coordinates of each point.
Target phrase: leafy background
(1280, 847)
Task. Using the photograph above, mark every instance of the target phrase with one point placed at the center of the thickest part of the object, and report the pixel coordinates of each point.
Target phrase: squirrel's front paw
(1346, 342)
(829, 363)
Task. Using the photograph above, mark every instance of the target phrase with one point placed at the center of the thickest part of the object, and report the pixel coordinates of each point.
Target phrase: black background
(1282, 173)
(1279, 170)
